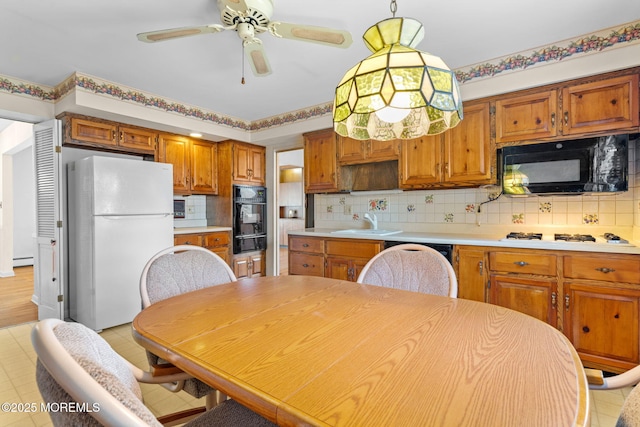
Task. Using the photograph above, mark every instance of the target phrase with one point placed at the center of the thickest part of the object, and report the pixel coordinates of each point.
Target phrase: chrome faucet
(373, 219)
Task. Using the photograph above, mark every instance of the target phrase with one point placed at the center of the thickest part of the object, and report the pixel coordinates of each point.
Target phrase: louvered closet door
(48, 272)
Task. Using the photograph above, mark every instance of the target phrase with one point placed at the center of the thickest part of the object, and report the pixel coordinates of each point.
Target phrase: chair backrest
(78, 368)
(412, 267)
(179, 269)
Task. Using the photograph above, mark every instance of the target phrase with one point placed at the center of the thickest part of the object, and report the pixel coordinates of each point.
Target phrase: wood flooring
(15, 298)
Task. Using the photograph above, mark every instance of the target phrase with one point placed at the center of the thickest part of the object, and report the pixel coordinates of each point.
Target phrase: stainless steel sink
(366, 231)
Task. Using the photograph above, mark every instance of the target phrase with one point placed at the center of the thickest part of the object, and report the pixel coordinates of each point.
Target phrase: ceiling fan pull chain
(242, 81)
(394, 7)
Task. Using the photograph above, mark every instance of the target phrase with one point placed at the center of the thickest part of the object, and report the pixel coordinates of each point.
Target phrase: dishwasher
(444, 249)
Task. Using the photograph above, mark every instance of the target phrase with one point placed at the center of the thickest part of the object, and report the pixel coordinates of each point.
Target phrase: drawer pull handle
(306, 245)
(605, 270)
(521, 263)
(305, 265)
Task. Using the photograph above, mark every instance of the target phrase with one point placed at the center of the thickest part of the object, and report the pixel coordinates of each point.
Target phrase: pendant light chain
(393, 7)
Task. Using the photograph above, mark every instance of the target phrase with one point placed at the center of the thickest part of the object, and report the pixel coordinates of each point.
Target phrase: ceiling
(45, 42)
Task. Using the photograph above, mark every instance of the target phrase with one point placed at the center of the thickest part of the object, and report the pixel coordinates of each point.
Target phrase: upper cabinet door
(526, 117)
(320, 164)
(610, 104)
(248, 164)
(97, 132)
(467, 147)
(420, 162)
(204, 167)
(174, 149)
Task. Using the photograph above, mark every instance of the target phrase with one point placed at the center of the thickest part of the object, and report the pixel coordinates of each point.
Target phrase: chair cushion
(108, 368)
(175, 274)
(630, 414)
(409, 270)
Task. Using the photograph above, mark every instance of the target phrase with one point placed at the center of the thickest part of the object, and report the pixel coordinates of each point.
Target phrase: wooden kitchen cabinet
(602, 324)
(249, 265)
(460, 157)
(248, 164)
(353, 151)
(345, 258)
(533, 296)
(217, 242)
(320, 164)
(195, 164)
(337, 258)
(96, 133)
(603, 105)
(580, 107)
(525, 281)
(526, 117)
(601, 303)
(471, 272)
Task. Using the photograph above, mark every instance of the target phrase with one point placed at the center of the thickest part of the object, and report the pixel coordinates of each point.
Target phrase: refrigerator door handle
(162, 215)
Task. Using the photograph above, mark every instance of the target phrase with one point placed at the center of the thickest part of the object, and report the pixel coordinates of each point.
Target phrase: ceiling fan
(251, 17)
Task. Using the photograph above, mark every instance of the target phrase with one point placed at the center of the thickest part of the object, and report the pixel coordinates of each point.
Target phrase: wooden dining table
(304, 350)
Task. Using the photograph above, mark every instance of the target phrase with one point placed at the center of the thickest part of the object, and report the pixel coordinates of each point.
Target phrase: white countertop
(482, 240)
(204, 229)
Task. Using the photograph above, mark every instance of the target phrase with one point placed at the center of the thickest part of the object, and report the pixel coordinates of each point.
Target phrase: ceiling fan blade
(309, 33)
(258, 59)
(174, 33)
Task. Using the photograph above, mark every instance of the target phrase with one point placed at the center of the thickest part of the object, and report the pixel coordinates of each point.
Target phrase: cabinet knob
(554, 299)
(521, 263)
(605, 270)
(585, 329)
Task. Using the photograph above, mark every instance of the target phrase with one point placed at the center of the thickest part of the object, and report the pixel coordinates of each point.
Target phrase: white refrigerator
(120, 215)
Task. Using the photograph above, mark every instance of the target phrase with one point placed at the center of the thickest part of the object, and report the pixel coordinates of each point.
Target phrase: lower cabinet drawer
(351, 248)
(213, 240)
(188, 239)
(526, 263)
(306, 244)
(606, 268)
(306, 264)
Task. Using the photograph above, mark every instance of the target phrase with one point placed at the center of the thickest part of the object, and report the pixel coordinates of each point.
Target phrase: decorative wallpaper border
(605, 39)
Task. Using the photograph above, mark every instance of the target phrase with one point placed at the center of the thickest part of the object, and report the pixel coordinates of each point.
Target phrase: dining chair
(630, 412)
(85, 382)
(174, 271)
(411, 267)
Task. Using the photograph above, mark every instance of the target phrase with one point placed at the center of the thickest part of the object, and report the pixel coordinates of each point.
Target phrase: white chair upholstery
(630, 413)
(78, 367)
(411, 267)
(174, 271)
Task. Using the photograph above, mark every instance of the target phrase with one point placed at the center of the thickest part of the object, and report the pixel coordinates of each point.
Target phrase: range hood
(372, 176)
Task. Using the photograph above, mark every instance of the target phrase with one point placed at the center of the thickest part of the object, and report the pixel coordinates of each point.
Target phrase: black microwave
(590, 165)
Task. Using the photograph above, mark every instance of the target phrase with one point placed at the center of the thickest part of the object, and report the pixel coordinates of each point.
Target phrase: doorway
(17, 180)
(290, 201)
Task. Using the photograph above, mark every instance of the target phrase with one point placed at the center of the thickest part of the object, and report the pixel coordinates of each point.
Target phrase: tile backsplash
(430, 209)
(195, 214)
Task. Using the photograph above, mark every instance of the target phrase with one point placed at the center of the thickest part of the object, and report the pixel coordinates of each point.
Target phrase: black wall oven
(249, 218)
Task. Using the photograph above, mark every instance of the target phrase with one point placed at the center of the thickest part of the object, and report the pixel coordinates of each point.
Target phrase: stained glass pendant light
(398, 92)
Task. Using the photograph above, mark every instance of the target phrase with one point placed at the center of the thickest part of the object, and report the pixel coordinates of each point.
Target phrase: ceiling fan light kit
(398, 92)
(251, 17)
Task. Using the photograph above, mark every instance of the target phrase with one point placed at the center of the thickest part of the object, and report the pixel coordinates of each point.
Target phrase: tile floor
(18, 385)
